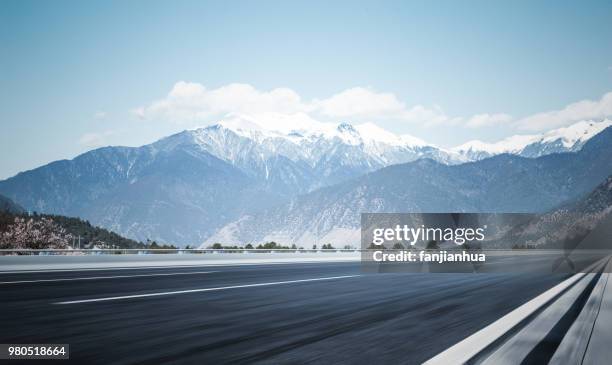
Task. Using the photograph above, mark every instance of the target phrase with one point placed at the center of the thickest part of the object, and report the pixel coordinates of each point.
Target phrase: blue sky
(75, 75)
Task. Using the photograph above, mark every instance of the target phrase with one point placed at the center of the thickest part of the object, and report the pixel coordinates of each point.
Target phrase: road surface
(291, 313)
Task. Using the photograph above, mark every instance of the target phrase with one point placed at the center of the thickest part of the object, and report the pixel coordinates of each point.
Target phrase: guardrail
(567, 324)
(151, 251)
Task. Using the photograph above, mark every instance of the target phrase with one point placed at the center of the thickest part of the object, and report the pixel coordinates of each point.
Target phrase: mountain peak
(570, 138)
(579, 132)
(512, 144)
(346, 127)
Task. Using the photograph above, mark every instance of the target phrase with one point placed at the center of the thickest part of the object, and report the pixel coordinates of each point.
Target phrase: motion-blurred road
(295, 313)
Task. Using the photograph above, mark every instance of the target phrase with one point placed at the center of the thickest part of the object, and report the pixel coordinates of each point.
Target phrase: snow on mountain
(309, 154)
(576, 134)
(504, 183)
(298, 154)
(567, 139)
(513, 144)
(188, 186)
(324, 148)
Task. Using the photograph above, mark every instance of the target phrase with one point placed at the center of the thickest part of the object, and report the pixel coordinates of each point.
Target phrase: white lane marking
(463, 351)
(204, 290)
(179, 266)
(106, 277)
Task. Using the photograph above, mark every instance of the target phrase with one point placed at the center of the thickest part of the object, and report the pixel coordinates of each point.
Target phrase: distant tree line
(154, 245)
(271, 246)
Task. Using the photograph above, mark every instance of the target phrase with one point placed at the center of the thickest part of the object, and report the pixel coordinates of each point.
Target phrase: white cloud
(193, 103)
(359, 102)
(429, 116)
(581, 110)
(363, 103)
(190, 102)
(435, 116)
(93, 140)
(486, 120)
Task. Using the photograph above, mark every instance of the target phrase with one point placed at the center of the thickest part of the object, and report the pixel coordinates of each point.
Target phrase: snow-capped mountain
(183, 188)
(567, 139)
(188, 186)
(300, 160)
(504, 183)
(311, 154)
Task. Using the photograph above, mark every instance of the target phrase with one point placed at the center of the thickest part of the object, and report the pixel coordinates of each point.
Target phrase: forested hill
(21, 230)
(91, 234)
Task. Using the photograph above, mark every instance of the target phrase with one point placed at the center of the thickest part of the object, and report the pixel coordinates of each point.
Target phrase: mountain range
(567, 139)
(504, 183)
(198, 185)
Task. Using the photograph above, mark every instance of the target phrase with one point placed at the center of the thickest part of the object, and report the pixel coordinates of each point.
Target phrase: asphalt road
(295, 313)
